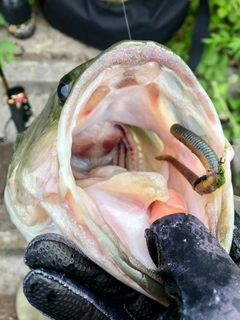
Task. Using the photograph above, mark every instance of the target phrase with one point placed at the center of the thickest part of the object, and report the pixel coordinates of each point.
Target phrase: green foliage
(7, 48)
(2, 20)
(222, 51)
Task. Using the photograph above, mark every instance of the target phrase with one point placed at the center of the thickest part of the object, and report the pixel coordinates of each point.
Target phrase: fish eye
(64, 89)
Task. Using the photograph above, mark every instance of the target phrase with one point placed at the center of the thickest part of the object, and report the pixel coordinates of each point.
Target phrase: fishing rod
(18, 104)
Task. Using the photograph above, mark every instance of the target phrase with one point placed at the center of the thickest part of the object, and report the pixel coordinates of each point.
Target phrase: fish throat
(104, 144)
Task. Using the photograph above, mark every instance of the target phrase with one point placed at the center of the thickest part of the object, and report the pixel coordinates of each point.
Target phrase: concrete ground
(40, 62)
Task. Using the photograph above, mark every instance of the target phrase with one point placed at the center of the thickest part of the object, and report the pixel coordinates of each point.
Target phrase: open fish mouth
(91, 168)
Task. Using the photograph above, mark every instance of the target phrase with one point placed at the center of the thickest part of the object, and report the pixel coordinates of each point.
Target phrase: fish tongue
(175, 204)
(123, 201)
(100, 174)
(140, 190)
(144, 187)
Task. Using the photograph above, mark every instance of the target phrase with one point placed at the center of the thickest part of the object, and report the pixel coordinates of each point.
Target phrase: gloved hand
(201, 280)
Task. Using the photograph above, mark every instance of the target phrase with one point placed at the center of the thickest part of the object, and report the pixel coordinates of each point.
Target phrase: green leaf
(219, 74)
(234, 78)
(223, 88)
(2, 60)
(209, 73)
(224, 61)
(228, 134)
(7, 46)
(234, 45)
(234, 103)
(222, 13)
(2, 20)
(222, 114)
(203, 83)
(237, 179)
(236, 131)
(10, 57)
(211, 56)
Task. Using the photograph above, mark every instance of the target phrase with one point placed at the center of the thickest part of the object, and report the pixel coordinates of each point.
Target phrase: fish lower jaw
(129, 202)
(104, 154)
(144, 195)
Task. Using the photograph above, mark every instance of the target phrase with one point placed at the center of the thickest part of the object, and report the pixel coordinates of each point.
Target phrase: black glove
(201, 280)
(65, 284)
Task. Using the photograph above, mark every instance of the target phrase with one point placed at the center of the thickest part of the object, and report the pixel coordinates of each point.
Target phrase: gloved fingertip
(153, 246)
(43, 248)
(180, 230)
(53, 251)
(61, 298)
(198, 272)
(235, 248)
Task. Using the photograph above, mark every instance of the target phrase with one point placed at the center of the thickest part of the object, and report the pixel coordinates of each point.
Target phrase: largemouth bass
(88, 167)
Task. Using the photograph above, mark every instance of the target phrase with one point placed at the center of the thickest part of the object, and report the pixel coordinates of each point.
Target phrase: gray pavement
(40, 63)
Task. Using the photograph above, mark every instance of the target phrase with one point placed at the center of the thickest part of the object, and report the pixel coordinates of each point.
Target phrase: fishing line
(126, 20)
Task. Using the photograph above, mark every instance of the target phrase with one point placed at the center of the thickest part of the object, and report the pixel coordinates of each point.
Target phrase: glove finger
(199, 274)
(235, 248)
(61, 298)
(54, 252)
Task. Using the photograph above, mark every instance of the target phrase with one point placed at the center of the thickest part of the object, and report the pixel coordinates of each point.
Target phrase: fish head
(86, 168)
